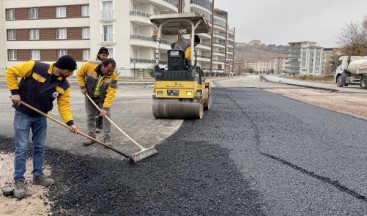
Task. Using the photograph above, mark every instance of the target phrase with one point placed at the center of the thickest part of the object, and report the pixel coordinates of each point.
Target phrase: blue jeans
(23, 123)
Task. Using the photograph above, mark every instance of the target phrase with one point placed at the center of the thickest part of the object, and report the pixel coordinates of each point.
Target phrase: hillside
(263, 50)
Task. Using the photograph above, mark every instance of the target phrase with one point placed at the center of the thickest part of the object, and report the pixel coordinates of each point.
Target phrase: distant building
(272, 64)
(305, 58)
(330, 54)
(279, 63)
(254, 43)
(241, 44)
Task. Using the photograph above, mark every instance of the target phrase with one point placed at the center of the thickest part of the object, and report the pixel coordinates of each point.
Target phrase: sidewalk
(329, 86)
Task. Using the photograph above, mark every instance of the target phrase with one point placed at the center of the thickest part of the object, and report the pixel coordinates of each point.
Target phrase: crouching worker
(100, 83)
(39, 86)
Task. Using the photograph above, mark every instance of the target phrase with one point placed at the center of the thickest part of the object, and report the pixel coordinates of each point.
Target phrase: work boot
(19, 189)
(107, 141)
(89, 142)
(43, 180)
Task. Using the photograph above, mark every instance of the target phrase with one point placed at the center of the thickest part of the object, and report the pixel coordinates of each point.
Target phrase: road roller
(181, 90)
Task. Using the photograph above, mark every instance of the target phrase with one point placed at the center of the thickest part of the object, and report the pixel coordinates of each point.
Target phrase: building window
(10, 14)
(34, 34)
(61, 33)
(84, 10)
(60, 12)
(85, 33)
(107, 33)
(12, 55)
(32, 13)
(12, 34)
(35, 55)
(85, 54)
(61, 53)
(111, 54)
(107, 10)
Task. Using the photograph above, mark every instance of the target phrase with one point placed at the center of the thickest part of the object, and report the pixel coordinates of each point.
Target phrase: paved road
(253, 153)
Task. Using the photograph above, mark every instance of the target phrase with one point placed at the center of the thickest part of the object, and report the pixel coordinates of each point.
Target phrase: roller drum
(176, 109)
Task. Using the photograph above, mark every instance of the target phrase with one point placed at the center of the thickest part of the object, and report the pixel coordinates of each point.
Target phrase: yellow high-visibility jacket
(39, 78)
(88, 78)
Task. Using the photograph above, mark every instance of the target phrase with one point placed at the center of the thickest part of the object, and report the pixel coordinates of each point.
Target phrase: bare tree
(353, 38)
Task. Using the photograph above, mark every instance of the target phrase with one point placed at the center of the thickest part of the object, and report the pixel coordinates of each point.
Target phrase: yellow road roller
(180, 89)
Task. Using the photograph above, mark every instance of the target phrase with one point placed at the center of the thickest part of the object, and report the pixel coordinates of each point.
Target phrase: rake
(143, 153)
(79, 132)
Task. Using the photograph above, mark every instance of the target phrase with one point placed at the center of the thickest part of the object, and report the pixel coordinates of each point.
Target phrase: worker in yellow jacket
(39, 86)
(185, 45)
(102, 54)
(100, 83)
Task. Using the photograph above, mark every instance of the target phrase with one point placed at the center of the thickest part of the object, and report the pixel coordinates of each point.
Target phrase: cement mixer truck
(351, 70)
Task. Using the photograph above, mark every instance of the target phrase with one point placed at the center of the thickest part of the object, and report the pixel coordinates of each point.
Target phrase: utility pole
(180, 6)
(234, 46)
(211, 41)
(225, 48)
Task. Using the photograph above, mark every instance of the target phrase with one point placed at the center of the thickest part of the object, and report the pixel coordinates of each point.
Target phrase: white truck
(351, 70)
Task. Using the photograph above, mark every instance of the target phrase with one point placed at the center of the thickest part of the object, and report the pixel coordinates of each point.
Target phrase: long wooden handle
(123, 132)
(65, 125)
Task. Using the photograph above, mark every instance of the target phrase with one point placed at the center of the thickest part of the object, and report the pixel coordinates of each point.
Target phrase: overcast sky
(282, 21)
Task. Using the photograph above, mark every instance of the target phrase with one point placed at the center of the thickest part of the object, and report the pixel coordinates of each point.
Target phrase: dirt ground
(36, 202)
(353, 104)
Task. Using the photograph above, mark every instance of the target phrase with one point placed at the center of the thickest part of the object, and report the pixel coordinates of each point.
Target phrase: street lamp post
(134, 61)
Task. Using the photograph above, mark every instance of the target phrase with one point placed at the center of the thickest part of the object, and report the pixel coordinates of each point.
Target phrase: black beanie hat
(196, 39)
(103, 50)
(66, 63)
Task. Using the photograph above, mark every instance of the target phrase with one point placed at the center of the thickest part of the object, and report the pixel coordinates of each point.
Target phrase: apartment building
(275, 64)
(45, 30)
(305, 58)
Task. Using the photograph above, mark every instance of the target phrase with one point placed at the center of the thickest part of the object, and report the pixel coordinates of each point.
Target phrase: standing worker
(101, 55)
(100, 83)
(40, 85)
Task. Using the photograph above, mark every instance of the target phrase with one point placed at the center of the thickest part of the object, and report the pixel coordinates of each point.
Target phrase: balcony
(147, 41)
(172, 2)
(215, 44)
(203, 58)
(204, 46)
(203, 3)
(146, 61)
(217, 26)
(219, 53)
(219, 35)
(166, 4)
(140, 17)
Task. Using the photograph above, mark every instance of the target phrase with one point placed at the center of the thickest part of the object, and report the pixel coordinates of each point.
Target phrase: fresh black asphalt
(253, 153)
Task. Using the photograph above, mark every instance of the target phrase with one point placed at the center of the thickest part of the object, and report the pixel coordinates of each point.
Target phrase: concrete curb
(284, 81)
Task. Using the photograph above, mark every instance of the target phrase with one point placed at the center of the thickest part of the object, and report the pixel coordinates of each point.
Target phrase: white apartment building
(45, 30)
(305, 58)
(274, 64)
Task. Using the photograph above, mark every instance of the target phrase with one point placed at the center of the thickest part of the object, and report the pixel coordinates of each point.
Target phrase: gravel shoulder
(353, 104)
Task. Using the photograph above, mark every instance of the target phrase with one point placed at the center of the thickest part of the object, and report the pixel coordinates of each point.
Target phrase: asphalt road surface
(253, 153)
